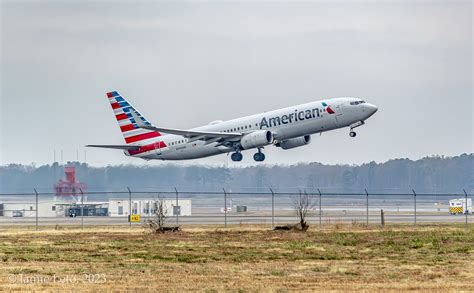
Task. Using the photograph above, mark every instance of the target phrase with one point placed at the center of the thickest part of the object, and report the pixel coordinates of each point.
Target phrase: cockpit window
(357, 102)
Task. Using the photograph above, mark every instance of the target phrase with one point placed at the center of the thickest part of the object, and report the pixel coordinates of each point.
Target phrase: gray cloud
(187, 64)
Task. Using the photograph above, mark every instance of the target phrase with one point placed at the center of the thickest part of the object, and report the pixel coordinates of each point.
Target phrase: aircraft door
(339, 112)
(157, 147)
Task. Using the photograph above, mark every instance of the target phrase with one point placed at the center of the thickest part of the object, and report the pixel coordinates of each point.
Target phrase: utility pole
(54, 166)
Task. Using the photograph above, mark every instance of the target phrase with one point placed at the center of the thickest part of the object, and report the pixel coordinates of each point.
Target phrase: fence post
(82, 208)
(467, 212)
(382, 218)
(273, 208)
(225, 208)
(320, 211)
(367, 207)
(414, 197)
(36, 209)
(129, 207)
(177, 204)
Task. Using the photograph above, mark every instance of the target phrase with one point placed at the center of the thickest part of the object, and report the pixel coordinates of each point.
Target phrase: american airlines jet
(286, 128)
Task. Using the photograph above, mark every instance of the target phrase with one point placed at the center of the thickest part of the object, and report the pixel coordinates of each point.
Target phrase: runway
(251, 218)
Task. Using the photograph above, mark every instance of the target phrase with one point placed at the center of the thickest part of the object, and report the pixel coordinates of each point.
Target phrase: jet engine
(294, 142)
(256, 139)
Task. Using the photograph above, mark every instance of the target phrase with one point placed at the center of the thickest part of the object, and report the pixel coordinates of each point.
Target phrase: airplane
(285, 128)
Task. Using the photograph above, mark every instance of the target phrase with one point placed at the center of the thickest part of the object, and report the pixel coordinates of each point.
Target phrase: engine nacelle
(295, 142)
(256, 139)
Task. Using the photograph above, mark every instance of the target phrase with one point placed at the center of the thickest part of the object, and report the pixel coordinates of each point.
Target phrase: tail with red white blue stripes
(132, 134)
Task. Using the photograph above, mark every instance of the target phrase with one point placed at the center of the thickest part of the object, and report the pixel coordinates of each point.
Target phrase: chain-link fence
(224, 207)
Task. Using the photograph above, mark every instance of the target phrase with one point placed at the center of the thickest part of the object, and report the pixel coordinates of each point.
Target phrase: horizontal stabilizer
(118, 147)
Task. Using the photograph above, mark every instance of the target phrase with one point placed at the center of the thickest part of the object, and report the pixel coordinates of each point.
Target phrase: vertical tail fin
(130, 130)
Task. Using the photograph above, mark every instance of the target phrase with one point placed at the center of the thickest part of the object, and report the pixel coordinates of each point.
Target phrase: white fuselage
(286, 123)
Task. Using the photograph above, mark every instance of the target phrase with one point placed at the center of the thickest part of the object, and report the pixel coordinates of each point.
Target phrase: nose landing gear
(352, 126)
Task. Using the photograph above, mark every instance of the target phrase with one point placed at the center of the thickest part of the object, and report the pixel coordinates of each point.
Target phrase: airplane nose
(371, 109)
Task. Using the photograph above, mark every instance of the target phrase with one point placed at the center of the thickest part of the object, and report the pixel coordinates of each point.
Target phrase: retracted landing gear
(236, 157)
(259, 157)
(352, 126)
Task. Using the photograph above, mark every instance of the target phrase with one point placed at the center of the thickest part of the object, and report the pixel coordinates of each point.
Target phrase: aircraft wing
(192, 134)
(110, 146)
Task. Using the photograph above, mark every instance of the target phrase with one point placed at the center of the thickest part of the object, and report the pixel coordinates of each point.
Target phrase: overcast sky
(184, 65)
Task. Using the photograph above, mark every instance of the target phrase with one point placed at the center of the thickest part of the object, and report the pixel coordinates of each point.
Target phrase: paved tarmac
(282, 217)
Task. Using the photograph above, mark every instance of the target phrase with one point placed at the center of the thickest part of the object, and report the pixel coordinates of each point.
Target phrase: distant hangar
(111, 208)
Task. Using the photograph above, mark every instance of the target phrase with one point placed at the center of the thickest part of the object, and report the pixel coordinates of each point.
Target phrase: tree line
(430, 174)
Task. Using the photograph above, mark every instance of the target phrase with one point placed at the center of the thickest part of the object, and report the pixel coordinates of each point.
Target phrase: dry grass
(339, 258)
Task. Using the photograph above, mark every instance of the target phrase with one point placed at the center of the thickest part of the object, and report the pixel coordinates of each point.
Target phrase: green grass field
(241, 259)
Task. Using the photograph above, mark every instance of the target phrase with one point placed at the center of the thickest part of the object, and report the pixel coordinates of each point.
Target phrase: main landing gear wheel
(259, 157)
(236, 157)
(352, 134)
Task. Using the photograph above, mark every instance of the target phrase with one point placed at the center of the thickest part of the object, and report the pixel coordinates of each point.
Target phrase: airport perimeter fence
(225, 208)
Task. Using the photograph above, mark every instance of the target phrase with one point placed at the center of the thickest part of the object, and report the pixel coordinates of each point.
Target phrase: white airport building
(27, 209)
(146, 207)
(112, 208)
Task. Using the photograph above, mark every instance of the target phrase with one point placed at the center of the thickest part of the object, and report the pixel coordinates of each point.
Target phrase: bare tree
(160, 214)
(302, 204)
